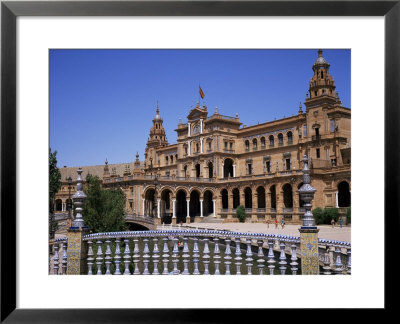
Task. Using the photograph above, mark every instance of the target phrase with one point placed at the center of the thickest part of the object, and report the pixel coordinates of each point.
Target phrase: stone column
(214, 207)
(158, 208)
(222, 170)
(187, 210)
(234, 170)
(337, 199)
(77, 248)
(201, 145)
(144, 213)
(254, 205)
(268, 205)
(230, 205)
(201, 208)
(201, 126)
(188, 129)
(173, 208)
(308, 231)
(189, 148)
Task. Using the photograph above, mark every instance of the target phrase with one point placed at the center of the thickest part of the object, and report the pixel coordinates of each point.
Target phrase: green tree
(54, 178)
(241, 213)
(330, 213)
(103, 210)
(54, 186)
(348, 215)
(318, 215)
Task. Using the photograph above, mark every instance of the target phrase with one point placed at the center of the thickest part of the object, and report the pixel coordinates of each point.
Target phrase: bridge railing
(177, 251)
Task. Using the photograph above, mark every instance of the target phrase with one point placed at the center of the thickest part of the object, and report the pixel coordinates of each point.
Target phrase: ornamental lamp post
(307, 192)
(77, 248)
(79, 198)
(69, 200)
(308, 230)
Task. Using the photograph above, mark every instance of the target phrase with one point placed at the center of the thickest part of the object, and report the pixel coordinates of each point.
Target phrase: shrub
(348, 215)
(330, 213)
(241, 213)
(318, 215)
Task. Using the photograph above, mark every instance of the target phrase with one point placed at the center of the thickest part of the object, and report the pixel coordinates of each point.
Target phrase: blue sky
(102, 102)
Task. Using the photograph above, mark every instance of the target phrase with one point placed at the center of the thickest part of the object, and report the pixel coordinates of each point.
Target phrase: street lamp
(69, 199)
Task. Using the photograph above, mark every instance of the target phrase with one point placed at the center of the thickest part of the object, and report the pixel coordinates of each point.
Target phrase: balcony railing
(316, 137)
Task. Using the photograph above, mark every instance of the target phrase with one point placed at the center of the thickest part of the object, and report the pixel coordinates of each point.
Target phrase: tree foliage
(103, 210)
(324, 216)
(54, 179)
(241, 213)
(348, 215)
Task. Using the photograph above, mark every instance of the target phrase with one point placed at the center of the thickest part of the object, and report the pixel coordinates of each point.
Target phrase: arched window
(197, 170)
(248, 203)
(260, 197)
(247, 144)
(210, 170)
(166, 160)
(271, 141)
(280, 139)
(172, 159)
(290, 138)
(224, 198)
(287, 196)
(254, 144)
(344, 197)
(262, 142)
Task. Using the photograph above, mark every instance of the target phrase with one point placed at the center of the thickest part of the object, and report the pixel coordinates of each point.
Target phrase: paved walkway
(325, 231)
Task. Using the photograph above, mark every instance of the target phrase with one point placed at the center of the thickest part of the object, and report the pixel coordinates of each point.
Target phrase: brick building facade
(218, 164)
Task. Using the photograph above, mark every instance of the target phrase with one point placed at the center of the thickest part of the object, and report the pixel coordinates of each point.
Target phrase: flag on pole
(201, 92)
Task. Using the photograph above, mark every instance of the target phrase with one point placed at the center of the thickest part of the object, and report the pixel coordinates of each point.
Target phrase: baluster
(108, 257)
(282, 257)
(293, 258)
(196, 255)
(146, 256)
(327, 262)
(338, 263)
(64, 257)
(249, 256)
(271, 256)
(227, 256)
(217, 257)
(127, 257)
(99, 257)
(156, 256)
(165, 255)
(136, 256)
(185, 256)
(238, 256)
(206, 256)
(90, 258)
(117, 256)
(56, 258)
(349, 260)
(175, 252)
(260, 255)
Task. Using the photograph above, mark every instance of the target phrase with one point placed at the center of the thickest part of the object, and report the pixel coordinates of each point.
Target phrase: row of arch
(228, 169)
(271, 140)
(187, 203)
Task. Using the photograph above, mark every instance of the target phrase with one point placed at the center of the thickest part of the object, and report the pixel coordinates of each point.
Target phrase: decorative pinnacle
(307, 194)
(78, 199)
(300, 108)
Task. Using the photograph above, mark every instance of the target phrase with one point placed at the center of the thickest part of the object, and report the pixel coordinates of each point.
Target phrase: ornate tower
(156, 140)
(322, 86)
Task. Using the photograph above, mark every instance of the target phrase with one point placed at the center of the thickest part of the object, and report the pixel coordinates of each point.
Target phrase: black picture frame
(10, 10)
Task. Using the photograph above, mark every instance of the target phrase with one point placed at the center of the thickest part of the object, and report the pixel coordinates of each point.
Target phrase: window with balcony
(287, 164)
(247, 145)
(254, 144)
(271, 141)
(290, 138)
(280, 139)
(262, 143)
(268, 166)
(318, 153)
